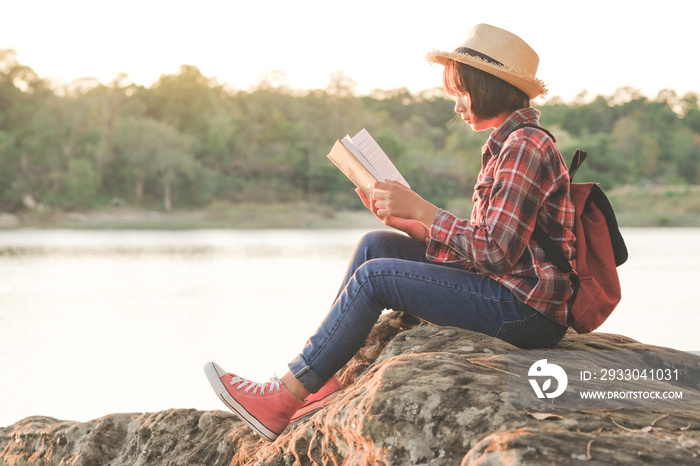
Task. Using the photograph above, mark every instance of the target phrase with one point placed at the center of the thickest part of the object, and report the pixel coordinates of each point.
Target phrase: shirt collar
(498, 137)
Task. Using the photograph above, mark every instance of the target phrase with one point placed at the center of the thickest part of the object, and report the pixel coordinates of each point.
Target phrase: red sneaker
(318, 400)
(267, 408)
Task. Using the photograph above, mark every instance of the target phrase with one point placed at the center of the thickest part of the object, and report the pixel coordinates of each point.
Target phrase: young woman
(484, 274)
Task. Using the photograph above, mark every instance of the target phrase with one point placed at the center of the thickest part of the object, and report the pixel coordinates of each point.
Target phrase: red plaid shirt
(523, 181)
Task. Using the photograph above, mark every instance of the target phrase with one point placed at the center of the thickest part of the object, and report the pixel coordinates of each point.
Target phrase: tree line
(187, 141)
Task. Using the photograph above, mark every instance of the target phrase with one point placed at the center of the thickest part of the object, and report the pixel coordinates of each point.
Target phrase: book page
(376, 156)
(350, 145)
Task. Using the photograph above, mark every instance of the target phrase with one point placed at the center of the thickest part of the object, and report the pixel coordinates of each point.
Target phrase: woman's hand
(399, 207)
(393, 199)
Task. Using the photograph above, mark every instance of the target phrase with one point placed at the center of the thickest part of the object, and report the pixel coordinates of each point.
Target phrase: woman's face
(463, 106)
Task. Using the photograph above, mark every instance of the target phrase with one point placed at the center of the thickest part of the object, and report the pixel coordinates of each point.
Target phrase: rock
(432, 395)
(32, 204)
(167, 437)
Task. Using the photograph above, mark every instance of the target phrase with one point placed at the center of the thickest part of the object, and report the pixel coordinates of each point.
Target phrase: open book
(362, 160)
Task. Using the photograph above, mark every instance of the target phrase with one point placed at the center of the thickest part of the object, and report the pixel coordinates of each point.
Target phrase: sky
(594, 46)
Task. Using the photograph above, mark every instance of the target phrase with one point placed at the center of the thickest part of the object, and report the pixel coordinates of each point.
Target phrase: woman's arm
(401, 208)
(516, 182)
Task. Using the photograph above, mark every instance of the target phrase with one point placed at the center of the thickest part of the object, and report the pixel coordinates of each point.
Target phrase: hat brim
(529, 84)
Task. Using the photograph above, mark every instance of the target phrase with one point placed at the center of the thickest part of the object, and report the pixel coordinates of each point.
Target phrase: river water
(93, 322)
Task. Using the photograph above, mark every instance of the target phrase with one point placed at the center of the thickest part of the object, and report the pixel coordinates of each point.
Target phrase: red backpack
(600, 249)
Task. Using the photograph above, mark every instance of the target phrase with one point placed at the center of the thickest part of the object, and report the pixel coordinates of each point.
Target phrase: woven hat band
(474, 53)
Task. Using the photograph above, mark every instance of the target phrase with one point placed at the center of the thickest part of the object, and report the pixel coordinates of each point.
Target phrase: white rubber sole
(214, 373)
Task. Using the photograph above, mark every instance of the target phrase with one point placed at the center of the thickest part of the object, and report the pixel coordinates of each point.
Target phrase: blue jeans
(390, 271)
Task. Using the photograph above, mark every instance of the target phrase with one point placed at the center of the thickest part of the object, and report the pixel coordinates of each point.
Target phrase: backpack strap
(532, 125)
(554, 254)
(576, 162)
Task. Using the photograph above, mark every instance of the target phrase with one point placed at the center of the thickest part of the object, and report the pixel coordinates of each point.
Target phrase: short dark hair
(490, 96)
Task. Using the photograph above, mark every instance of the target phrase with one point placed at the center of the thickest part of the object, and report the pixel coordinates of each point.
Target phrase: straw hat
(500, 53)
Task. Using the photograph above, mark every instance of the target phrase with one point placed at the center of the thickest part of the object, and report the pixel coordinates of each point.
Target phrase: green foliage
(630, 139)
(80, 183)
(152, 151)
(188, 141)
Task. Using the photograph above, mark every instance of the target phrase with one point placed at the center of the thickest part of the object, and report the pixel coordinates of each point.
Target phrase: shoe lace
(247, 385)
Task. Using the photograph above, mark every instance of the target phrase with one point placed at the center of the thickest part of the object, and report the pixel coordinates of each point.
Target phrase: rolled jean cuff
(305, 375)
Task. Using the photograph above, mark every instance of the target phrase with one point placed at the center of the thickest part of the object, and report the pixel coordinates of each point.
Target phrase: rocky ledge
(415, 394)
